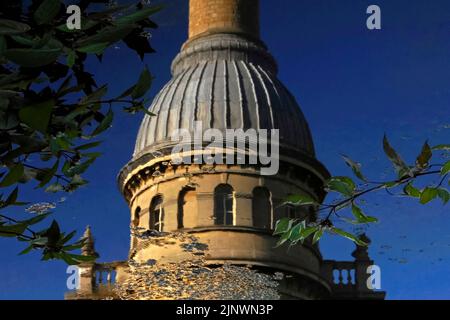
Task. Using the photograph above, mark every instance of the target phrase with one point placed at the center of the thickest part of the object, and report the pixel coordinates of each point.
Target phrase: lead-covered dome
(226, 81)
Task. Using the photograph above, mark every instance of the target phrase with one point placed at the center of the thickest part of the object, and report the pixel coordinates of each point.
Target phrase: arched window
(187, 205)
(261, 208)
(137, 217)
(157, 214)
(223, 205)
(291, 212)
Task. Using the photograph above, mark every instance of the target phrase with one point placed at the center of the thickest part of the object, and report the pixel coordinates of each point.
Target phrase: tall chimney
(208, 17)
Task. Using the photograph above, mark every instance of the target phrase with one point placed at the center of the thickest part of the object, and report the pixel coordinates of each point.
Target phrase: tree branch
(380, 185)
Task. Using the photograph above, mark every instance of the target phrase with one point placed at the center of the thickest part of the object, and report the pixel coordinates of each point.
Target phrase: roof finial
(361, 253)
(88, 248)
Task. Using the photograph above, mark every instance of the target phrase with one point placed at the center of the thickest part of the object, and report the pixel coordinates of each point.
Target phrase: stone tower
(225, 78)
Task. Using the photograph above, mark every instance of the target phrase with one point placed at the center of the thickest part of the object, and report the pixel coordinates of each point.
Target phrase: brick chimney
(208, 17)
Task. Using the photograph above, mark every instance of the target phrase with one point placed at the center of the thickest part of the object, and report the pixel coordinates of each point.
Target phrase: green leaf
(71, 56)
(105, 124)
(295, 233)
(10, 27)
(68, 237)
(349, 236)
(26, 250)
(356, 167)
(64, 141)
(77, 180)
(82, 110)
(343, 185)
(47, 256)
(46, 11)
(400, 166)
(445, 168)
(299, 200)
(32, 58)
(48, 42)
(60, 142)
(28, 174)
(73, 259)
(88, 146)
(53, 233)
(79, 168)
(8, 120)
(65, 91)
(285, 237)
(309, 231)
(22, 239)
(35, 219)
(360, 216)
(74, 246)
(145, 110)
(424, 157)
(138, 15)
(12, 197)
(53, 188)
(410, 190)
(352, 221)
(445, 147)
(65, 85)
(105, 36)
(126, 93)
(3, 45)
(37, 116)
(428, 195)
(66, 258)
(92, 155)
(82, 258)
(13, 176)
(444, 195)
(318, 235)
(49, 174)
(143, 84)
(282, 226)
(41, 241)
(95, 48)
(95, 96)
(25, 40)
(12, 230)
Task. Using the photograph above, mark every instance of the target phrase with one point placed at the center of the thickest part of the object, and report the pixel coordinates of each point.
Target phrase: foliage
(51, 108)
(348, 193)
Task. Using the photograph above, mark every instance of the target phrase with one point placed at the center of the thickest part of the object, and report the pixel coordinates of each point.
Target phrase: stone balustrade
(347, 279)
(105, 273)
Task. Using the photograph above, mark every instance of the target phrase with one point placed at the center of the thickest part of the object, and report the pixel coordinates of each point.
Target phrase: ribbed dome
(227, 82)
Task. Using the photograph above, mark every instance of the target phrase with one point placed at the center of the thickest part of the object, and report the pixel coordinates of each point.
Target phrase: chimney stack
(208, 17)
